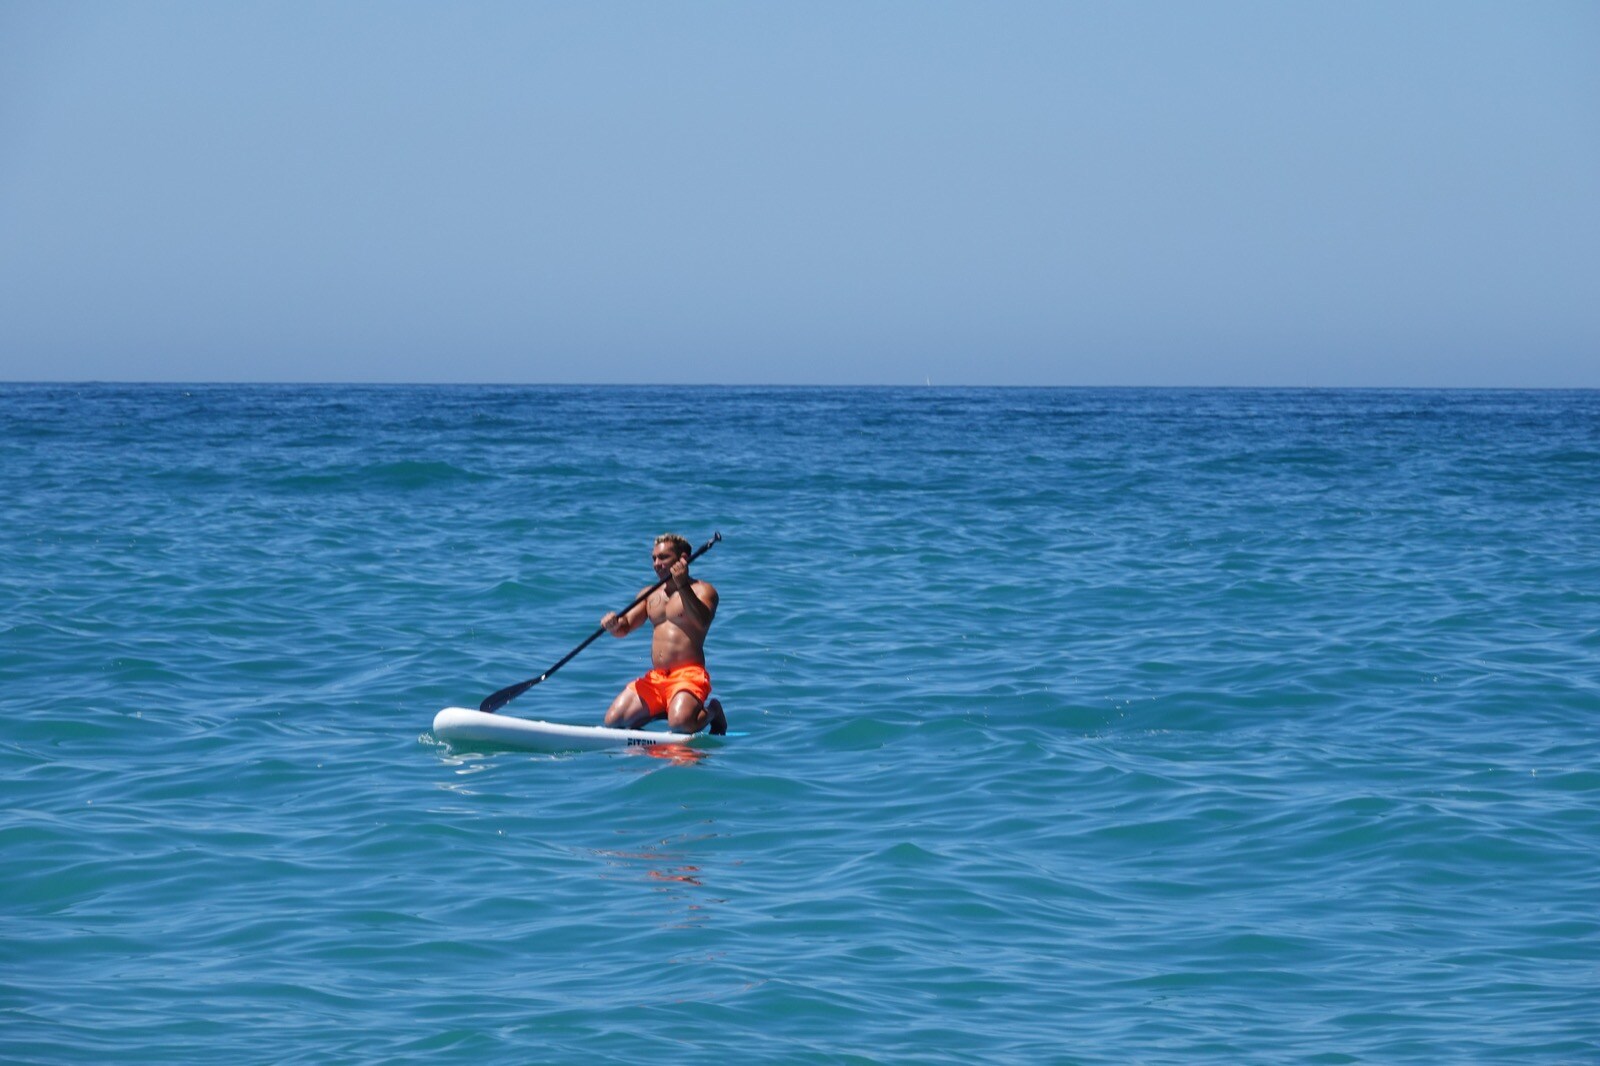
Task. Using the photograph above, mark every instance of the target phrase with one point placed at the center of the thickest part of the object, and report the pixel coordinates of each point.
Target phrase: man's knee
(627, 711)
(685, 713)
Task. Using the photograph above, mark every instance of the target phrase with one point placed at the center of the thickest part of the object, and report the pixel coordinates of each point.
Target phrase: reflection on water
(670, 871)
(680, 754)
(684, 875)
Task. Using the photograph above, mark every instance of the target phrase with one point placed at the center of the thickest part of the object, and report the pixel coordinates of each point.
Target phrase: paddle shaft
(506, 695)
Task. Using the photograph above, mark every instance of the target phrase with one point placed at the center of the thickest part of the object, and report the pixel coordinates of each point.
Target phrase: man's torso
(678, 637)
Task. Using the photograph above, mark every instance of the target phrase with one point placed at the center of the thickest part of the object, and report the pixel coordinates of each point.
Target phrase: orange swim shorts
(658, 687)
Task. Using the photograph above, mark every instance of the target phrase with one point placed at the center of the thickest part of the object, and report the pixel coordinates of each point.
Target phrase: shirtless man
(677, 685)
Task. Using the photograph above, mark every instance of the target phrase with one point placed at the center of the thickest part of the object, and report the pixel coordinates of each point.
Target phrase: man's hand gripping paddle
(506, 695)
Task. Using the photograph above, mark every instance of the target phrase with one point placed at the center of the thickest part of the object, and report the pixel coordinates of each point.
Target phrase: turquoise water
(1086, 726)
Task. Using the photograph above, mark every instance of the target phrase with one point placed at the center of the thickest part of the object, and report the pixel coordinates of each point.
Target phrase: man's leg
(686, 714)
(627, 711)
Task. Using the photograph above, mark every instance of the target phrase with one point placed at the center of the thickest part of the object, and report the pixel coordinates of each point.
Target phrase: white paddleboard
(462, 726)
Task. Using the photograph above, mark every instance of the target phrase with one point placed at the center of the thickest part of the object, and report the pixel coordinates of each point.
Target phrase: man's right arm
(620, 625)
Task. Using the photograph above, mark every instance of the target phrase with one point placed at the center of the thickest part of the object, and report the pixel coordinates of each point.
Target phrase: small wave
(412, 474)
(404, 475)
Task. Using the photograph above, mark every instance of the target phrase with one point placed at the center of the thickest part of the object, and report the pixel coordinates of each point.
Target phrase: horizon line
(176, 382)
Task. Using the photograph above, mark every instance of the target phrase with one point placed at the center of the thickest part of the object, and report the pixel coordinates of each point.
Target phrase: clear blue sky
(863, 191)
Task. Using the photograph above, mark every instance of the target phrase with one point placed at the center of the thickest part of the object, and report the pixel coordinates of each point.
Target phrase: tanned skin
(680, 612)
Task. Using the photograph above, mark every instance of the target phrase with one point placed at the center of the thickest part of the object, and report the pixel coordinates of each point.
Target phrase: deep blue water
(1084, 726)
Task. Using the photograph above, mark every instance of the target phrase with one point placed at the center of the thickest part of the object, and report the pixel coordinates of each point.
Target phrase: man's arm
(623, 624)
(699, 598)
(699, 601)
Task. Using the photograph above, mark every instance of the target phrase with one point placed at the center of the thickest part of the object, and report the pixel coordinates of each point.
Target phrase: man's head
(666, 550)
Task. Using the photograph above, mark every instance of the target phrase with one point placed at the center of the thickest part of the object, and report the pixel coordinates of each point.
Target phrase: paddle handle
(506, 695)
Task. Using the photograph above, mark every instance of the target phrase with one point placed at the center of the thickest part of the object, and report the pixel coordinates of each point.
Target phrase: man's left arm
(699, 600)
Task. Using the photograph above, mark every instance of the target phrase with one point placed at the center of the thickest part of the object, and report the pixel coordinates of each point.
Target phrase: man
(677, 685)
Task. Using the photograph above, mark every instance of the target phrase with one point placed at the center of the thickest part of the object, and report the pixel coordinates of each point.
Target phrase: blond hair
(680, 543)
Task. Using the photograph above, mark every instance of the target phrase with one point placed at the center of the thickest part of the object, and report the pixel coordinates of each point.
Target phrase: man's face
(662, 556)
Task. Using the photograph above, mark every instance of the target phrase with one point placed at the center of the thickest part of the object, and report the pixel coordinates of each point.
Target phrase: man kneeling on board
(677, 685)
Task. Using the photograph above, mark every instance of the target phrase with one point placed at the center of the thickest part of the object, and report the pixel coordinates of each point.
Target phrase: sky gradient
(1279, 194)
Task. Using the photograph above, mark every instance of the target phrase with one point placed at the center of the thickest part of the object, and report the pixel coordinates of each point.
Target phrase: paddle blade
(499, 699)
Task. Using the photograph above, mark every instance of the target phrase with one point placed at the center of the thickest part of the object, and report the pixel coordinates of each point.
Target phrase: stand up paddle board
(461, 726)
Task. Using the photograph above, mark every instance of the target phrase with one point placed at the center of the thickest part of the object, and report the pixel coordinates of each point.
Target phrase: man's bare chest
(664, 607)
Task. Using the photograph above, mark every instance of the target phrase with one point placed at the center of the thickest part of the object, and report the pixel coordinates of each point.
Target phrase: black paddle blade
(499, 699)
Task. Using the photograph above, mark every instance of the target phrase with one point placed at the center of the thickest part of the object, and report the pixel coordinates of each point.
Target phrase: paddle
(506, 695)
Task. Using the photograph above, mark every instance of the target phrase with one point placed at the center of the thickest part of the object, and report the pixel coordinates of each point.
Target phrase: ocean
(1080, 726)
